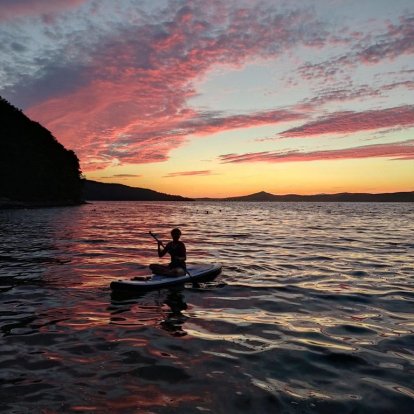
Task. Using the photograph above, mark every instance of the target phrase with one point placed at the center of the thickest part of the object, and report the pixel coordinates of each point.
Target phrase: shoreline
(18, 205)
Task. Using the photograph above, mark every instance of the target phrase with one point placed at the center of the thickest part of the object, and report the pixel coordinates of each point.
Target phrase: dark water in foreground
(313, 312)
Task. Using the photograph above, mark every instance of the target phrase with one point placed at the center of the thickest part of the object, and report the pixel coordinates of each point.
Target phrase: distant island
(35, 169)
(94, 190)
(339, 197)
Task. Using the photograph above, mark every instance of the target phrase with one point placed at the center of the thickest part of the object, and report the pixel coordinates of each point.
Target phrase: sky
(220, 98)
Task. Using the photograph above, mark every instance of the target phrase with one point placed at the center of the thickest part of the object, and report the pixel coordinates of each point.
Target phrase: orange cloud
(187, 173)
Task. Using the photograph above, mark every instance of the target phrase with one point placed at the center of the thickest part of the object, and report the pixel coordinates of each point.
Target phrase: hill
(34, 167)
(261, 196)
(94, 190)
(340, 197)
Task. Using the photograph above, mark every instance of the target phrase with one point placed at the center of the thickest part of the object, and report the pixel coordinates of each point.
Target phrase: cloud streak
(350, 122)
(188, 173)
(399, 150)
(122, 176)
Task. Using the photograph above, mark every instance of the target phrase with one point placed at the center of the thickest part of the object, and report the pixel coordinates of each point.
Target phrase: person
(176, 249)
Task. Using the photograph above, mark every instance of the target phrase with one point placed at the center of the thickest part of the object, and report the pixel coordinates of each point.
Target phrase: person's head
(175, 234)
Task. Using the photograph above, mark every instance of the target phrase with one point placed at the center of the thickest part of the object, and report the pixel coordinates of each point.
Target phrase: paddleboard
(196, 273)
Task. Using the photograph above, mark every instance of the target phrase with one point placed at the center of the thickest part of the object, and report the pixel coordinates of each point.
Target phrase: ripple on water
(313, 312)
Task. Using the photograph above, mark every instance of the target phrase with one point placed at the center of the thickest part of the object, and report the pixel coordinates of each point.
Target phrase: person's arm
(162, 251)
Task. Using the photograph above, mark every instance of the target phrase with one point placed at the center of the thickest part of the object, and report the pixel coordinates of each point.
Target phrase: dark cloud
(53, 81)
(122, 176)
(395, 41)
(12, 9)
(18, 47)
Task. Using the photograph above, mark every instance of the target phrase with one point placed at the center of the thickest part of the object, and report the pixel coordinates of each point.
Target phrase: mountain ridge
(402, 196)
(98, 191)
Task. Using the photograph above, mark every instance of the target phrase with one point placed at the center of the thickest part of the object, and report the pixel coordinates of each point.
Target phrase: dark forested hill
(34, 166)
(94, 190)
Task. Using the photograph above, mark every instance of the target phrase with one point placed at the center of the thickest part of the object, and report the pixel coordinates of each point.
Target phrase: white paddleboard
(196, 273)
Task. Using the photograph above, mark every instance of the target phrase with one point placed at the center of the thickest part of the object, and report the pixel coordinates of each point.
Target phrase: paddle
(157, 239)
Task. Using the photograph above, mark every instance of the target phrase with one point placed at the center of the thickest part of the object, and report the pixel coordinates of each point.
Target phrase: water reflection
(315, 314)
(175, 319)
(163, 309)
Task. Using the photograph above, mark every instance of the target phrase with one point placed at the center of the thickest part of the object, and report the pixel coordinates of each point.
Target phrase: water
(313, 312)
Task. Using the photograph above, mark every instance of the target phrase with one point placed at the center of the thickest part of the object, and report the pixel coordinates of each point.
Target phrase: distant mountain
(261, 196)
(94, 190)
(340, 197)
(35, 169)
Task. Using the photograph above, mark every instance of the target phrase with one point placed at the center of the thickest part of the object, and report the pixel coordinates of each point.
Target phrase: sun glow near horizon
(285, 178)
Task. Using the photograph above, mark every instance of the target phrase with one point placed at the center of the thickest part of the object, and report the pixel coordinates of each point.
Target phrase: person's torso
(177, 252)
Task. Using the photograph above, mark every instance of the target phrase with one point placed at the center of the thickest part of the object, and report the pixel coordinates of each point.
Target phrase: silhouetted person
(176, 249)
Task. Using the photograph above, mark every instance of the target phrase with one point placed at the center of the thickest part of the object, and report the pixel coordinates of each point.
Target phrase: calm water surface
(313, 312)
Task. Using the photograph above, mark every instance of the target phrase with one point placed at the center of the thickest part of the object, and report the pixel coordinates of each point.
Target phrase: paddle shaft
(157, 239)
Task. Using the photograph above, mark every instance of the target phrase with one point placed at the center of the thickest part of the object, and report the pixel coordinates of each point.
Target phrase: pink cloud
(122, 132)
(187, 173)
(349, 122)
(399, 150)
(11, 9)
(131, 105)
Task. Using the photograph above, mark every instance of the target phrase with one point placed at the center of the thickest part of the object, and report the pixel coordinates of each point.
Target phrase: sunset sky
(220, 97)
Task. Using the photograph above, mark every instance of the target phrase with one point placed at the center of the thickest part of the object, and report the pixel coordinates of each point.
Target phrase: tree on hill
(34, 166)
